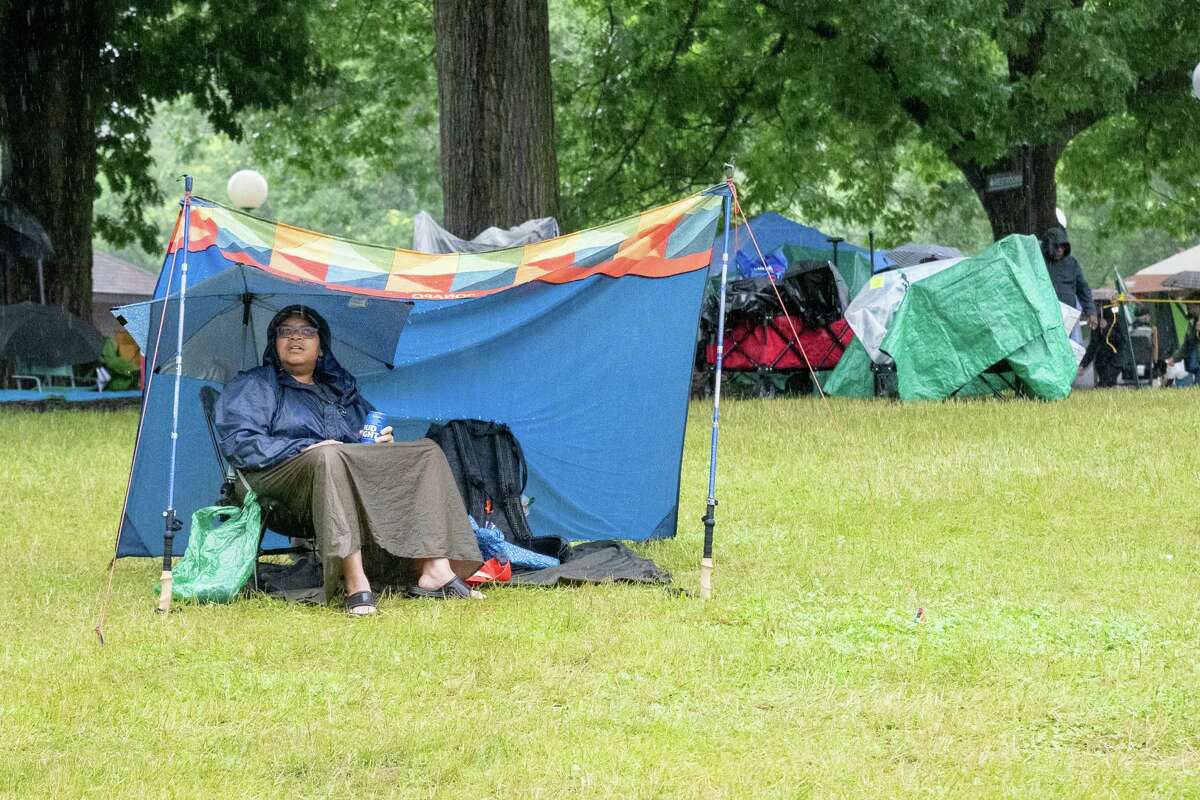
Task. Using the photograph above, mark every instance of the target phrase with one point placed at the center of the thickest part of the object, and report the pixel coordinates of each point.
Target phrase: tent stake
(709, 519)
(171, 522)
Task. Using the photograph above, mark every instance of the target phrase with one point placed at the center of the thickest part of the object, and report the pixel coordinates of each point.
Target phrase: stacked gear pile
(769, 349)
(779, 347)
(961, 327)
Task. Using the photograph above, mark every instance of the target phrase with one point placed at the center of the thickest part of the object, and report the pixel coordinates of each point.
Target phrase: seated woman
(292, 426)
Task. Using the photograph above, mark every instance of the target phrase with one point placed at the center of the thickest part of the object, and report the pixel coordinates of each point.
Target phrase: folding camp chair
(234, 487)
(44, 376)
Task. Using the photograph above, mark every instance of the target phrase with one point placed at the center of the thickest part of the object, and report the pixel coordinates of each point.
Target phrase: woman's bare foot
(435, 573)
(356, 581)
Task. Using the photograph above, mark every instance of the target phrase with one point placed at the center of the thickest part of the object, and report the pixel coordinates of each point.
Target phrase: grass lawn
(1052, 546)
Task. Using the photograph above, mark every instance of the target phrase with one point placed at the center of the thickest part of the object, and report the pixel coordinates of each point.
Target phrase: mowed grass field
(1053, 548)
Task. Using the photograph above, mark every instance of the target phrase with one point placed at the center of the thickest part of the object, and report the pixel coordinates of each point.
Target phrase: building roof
(112, 275)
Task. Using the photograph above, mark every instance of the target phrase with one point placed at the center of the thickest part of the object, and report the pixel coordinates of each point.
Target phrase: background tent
(583, 344)
(1152, 278)
(792, 242)
(993, 311)
(116, 282)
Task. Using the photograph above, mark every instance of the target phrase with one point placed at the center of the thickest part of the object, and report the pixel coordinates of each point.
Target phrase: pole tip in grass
(706, 570)
(164, 595)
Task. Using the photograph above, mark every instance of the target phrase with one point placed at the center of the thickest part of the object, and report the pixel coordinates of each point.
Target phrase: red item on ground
(492, 571)
(750, 346)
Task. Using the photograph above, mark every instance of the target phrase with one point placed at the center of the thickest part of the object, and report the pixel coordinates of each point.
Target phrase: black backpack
(490, 470)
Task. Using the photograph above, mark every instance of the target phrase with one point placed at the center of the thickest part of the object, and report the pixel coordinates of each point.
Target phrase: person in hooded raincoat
(1067, 276)
(1108, 348)
(292, 426)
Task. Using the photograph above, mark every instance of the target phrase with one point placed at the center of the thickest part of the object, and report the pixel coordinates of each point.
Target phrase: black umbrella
(47, 336)
(1188, 279)
(906, 255)
(21, 235)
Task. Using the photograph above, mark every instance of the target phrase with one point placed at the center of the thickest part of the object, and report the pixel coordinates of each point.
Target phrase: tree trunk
(1029, 208)
(48, 118)
(496, 113)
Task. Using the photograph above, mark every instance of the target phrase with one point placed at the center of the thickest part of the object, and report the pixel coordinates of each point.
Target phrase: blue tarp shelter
(582, 344)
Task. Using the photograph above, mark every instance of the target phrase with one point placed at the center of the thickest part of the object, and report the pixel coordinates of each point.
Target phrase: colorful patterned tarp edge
(669, 240)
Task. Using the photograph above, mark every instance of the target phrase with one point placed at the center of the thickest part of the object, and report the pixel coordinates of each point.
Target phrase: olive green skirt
(395, 502)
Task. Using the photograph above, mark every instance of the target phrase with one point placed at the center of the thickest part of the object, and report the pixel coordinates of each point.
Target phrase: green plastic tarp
(951, 327)
(853, 267)
(852, 377)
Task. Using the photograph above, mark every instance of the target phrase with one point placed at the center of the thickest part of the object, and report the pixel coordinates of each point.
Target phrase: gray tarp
(429, 237)
(870, 312)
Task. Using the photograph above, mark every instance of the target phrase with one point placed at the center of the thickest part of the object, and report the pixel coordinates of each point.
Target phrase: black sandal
(453, 588)
(361, 600)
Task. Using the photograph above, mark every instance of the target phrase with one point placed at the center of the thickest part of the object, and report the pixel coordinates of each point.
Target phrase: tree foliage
(828, 106)
(159, 50)
(864, 115)
(353, 154)
(78, 104)
(377, 110)
(352, 197)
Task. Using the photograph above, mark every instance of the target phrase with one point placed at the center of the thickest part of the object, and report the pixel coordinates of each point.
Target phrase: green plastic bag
(220, 553)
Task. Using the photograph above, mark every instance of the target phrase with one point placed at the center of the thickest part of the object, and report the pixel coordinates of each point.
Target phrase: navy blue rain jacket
(265, 416)
(1065, 273)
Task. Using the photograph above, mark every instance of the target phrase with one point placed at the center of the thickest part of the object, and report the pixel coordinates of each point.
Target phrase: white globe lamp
(247, 189)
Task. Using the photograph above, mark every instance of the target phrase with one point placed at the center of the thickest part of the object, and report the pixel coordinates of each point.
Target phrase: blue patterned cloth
(493, 545)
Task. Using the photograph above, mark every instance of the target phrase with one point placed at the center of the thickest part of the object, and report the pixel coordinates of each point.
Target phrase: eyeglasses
(293, 332)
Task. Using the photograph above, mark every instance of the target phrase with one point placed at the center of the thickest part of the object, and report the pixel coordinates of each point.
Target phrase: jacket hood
(1053, 237)
(328, 370)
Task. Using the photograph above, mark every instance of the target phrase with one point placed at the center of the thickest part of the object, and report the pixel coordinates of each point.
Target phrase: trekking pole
(171, 523)
(709, 519)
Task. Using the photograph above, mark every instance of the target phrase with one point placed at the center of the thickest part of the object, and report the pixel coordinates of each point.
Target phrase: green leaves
(228, 58)
(833, 112)
(865, 112)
